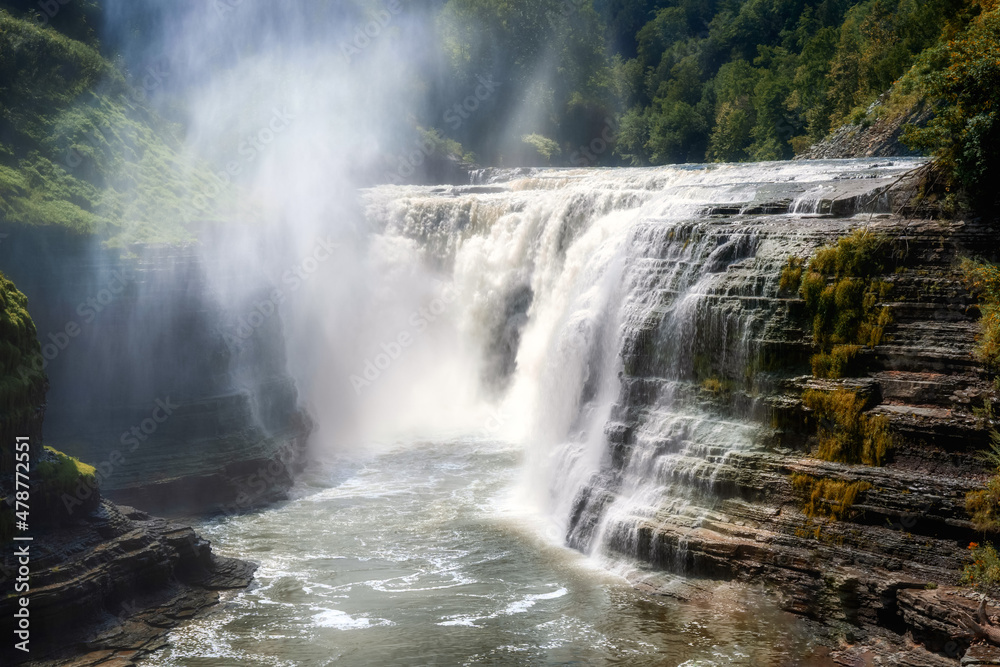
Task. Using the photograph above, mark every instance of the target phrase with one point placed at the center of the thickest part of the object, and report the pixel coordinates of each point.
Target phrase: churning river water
(421, 555)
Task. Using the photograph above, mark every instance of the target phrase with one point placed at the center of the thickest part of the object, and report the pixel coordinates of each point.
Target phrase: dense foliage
(669, 81)
(520, 82)
(78, 147)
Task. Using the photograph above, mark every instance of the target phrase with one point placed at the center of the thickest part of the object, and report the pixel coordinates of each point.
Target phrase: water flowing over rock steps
(677, 448)
(740, 516)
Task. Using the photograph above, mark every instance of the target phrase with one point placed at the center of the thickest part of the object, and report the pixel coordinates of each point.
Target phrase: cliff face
(102, 581)
(740, 514)
(660, 292)
(179, 397)
(109, 588)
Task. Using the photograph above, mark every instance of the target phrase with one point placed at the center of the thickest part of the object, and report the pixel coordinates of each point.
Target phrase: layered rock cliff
(860, 564)
(660, 292)
(82, 576)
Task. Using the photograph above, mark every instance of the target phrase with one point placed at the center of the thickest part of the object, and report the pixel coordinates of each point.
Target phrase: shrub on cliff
(984, 572)
(827, 498)
(983, 280)
(846, 433)
(843, 294)
(961, 77)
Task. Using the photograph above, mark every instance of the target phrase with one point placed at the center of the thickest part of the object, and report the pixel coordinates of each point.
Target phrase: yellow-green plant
(984, 572)
(984, 504)
(791, 275)
(826, 498)
(63, 474)
(846, 433)
(983, 280)
(843, 295)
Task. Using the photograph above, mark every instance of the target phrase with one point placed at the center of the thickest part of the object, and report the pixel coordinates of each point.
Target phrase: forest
(513, 83)
(633, 82)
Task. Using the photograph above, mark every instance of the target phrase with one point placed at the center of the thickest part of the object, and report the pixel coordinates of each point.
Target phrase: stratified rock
(108, 589)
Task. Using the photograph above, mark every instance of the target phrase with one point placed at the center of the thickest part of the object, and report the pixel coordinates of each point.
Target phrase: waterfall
(616, 322)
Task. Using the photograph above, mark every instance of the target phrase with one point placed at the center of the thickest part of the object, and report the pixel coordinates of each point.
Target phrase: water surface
(420, 555)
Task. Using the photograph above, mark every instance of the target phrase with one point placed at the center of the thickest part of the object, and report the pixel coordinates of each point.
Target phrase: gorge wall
(646, 344)
(158, 378)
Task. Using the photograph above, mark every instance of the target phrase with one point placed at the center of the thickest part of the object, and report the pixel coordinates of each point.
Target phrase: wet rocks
(108, 589)
(870, 573)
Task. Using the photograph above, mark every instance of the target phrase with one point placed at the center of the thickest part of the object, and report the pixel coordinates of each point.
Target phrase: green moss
(791, 275)
(846, 434)
(835, 363)
(717, 386)
(842, 296)
(22, 380)
(62, 475)
(826, 498)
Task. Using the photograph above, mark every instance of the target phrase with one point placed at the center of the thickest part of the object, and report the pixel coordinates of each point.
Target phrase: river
(421, 554)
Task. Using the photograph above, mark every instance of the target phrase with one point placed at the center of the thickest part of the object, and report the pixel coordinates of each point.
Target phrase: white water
(416, 556)
(592, 257)
(510, 329)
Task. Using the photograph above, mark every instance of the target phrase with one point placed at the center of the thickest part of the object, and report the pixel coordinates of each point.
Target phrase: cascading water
(630, 307)
(545, 358)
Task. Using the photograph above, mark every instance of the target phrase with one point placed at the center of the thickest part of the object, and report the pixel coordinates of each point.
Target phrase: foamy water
(420, 555)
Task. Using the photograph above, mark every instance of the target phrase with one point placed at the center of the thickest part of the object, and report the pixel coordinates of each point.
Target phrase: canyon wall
(177, 394)
(670, 365)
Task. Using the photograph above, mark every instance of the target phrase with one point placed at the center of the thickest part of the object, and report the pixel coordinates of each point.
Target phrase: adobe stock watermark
(587, 156)
(462, 111)
(292, 279)
(248, 149)
(49, 9)
(257, 485)
(389, 351)
(130, 441)
(366, 33)
(87, 310)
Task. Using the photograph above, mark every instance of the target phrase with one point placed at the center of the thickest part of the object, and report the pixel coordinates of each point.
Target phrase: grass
(843, 294)
(846, 434)
(827, 498)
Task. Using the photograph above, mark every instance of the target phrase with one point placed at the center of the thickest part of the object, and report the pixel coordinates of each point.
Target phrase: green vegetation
(22, 380)
(846, 434)
(842, 294)
(826, 498)
(983, 505)
(716, 386)
(693, 81)
(62, 475)
(983, 279)
(545, 148)
(79, 148)
(791, 275)
(984, 572)
(960, 75)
